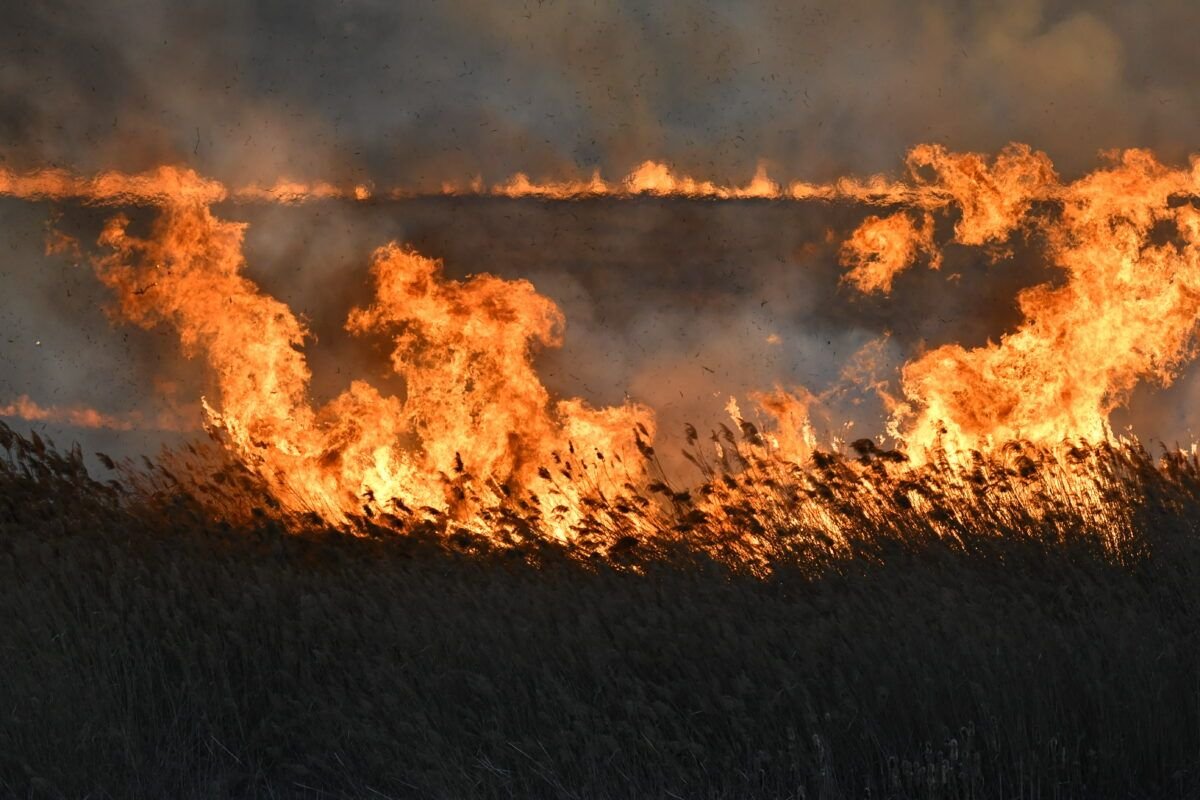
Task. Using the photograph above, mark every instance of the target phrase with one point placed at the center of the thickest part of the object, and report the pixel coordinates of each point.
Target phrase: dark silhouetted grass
(149, 651)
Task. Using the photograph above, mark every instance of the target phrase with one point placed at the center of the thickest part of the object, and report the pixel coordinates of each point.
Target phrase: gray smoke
(668, 303)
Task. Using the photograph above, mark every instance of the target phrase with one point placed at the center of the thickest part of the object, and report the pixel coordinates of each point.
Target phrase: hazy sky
(667, 303)
(423, 89)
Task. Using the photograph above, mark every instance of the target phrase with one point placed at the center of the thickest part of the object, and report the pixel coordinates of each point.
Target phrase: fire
(79, 416)
(653, 178)
(476, 421)
(288, 191)
(157, 187)
(477, 437)
(520, 185)
(1126, 312)
(883, 247)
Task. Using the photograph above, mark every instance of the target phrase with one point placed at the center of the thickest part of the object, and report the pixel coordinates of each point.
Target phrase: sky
(421, 90)
(667, 303)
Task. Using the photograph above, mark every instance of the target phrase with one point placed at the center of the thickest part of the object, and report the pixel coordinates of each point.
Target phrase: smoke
(424, 91)
(674, 304)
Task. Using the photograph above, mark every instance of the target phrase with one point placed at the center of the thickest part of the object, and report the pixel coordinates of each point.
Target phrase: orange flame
(477, 429)
(1127, 311)
(475, 411)
(84, 417)
(78, 416)
(157, 187)
(883, 247)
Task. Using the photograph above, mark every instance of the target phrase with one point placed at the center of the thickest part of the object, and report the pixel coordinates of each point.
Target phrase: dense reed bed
(164, 640)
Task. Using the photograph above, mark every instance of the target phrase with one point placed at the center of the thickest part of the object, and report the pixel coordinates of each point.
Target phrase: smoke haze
(676, 304)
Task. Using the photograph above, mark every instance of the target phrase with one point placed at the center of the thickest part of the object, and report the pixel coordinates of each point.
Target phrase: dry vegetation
(997, 644)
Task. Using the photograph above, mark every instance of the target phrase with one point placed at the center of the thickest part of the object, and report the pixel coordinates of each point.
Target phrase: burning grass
(166, 636)
(477, 442)
(750, 510)
(478, 589)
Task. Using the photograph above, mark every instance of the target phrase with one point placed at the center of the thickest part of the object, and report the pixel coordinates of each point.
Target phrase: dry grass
(155, 648)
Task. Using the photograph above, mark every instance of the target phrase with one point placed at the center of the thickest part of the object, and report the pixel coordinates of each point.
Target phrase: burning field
(998, 467)
(597, 476)
(1014, 432)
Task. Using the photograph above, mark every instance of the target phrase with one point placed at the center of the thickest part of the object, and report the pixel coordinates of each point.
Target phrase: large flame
(475, 411)
(476, 430)
(1125, 312)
